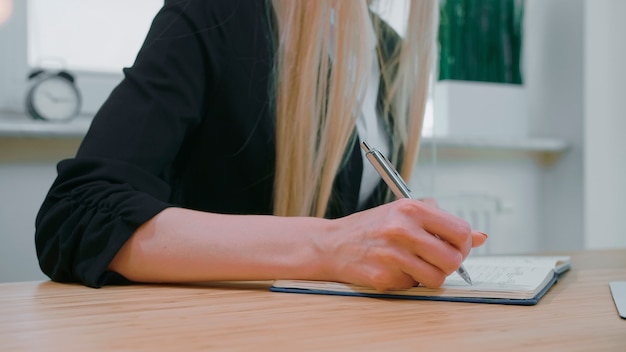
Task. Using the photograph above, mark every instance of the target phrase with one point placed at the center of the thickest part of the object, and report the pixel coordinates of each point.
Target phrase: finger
(434, 251)
(478, 238)
(450, 228)
(384, 272)
(429, 248)
(382, 279)
(422, 271)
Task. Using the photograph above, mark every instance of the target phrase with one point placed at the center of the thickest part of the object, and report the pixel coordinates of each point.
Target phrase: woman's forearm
(180, 245)
(393, 246)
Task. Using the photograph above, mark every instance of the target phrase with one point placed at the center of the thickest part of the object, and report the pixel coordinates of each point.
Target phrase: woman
(229, 152)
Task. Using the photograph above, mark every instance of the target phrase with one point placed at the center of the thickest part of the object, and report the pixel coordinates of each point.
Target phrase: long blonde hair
(318, 98)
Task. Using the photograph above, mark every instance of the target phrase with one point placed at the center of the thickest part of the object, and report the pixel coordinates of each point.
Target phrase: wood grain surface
(577, 314)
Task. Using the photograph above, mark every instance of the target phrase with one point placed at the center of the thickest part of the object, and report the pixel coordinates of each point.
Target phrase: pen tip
(467, 278)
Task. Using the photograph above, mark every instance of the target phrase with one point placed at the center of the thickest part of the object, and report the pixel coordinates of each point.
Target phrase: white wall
(495, 192)
(542, 205)
(554, 78)
(22, 183)
(22, 186)
(605, 123)
(14, 60)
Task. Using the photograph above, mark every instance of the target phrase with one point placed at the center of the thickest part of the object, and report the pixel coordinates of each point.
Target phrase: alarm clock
(53, 96)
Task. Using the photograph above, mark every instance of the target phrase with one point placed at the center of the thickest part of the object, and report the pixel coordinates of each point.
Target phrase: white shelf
(14, 125)
(543, 145)
(20, 125)
(545, 151)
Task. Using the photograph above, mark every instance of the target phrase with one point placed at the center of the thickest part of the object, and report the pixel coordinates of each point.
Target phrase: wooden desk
(577, 314)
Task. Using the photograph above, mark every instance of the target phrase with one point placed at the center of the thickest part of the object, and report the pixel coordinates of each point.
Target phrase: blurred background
(523, 130)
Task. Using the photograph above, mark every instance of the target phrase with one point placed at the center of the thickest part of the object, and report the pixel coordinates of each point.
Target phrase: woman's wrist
(323, 241)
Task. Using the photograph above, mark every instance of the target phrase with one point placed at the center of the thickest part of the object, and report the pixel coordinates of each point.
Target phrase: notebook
(518, 280)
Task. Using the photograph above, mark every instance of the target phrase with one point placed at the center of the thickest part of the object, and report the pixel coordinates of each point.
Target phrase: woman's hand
(393, 246)
(400, 244)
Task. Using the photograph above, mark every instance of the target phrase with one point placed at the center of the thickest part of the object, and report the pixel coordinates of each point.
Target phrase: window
(93, 39)
(87, 35)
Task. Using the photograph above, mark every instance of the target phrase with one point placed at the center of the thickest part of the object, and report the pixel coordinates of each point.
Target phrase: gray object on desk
(618, 290)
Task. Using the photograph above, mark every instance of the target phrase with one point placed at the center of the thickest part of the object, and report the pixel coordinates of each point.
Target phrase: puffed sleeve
(118, 179)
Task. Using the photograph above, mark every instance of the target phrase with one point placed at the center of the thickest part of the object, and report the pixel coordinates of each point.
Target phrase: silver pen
(392, 178)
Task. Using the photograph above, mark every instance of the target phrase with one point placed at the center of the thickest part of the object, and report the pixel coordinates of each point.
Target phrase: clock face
(54, 98)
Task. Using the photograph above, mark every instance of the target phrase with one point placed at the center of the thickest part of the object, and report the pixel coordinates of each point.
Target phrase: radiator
(480, 210)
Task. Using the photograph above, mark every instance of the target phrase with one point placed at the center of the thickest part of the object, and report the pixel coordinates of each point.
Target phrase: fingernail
(484, 234)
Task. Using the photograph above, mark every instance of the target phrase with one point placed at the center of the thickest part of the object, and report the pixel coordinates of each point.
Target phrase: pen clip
(393, 169)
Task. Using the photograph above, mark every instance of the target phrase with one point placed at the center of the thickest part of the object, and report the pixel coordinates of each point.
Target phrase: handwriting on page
(502, 278)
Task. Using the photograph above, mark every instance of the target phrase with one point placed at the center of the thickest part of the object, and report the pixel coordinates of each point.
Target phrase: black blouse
(190, 125)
